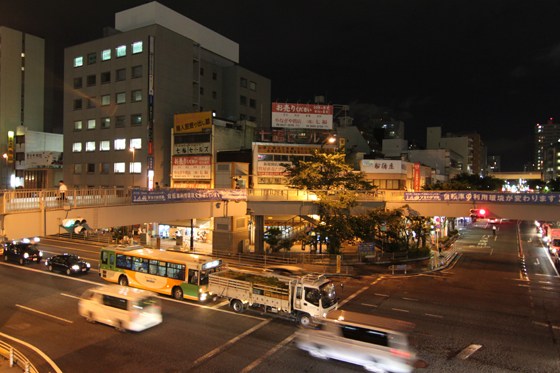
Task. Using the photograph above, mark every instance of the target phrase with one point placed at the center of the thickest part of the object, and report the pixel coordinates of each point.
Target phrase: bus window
(193, 276)
(112, 259)
(104, 256)
(140, 265)
(124, 261)
(176, 271)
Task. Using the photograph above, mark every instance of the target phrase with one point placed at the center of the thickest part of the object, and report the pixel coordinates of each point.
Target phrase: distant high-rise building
(22, 90)
(494, 163)
(469, 146)
(545, 157)
(123, 91)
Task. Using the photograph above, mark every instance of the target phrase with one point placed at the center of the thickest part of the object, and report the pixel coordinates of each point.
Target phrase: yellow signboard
(192, 122)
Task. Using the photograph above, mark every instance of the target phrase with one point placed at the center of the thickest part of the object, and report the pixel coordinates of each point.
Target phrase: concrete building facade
(22, 90)
(123, 91)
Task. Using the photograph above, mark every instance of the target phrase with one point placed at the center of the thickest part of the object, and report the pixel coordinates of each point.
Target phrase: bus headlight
(203, 296)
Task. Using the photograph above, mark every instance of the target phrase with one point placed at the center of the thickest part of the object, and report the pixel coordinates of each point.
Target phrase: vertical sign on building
(417, 177)
(151, 96)
(10, 146)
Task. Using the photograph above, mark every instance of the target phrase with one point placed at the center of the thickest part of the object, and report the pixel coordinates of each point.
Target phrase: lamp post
(328, 140)
(133, 167)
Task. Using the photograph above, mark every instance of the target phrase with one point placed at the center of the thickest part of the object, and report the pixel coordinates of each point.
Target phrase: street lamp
(328, 140)
(133, 168)
(5, 156)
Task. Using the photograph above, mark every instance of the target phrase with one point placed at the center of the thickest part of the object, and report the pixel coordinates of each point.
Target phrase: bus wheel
(177, 293)
(123, 281)
(237, 306)
(304, 319)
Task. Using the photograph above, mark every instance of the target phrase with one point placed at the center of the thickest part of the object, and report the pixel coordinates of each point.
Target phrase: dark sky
(490, 66)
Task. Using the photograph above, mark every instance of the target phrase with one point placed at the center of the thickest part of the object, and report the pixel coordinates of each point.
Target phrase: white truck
(301, 298)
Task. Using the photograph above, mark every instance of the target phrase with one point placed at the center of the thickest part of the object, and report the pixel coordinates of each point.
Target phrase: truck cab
(315, 296)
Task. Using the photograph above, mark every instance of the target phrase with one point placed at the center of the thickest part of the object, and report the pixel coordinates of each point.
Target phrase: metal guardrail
(16, 358)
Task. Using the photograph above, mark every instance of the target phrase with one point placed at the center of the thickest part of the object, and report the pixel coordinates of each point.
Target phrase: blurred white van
(123, 307)
(376, 343)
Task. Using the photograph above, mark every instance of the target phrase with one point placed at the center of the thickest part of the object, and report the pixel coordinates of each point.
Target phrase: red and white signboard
(271, 168)
(302, 116)
(192, 167)
(417, 177)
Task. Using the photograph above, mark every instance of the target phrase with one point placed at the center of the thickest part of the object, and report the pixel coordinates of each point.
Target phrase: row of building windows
(105, 77)
(252, 102)
(120, 98)
(105, 167)
(120, 51)
(252, 85)
(105, 145)
(214, 74)
(105, 123)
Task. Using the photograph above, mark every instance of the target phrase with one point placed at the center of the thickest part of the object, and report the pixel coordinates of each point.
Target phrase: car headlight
(87, 264)
(76, 267)
(40, 253)
(26, 255)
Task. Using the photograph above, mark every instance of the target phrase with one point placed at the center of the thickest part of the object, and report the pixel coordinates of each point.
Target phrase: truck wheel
(177, 293)
(318, 353)
(123, 281)
(237, 306)
(374, 368)
(304, 319)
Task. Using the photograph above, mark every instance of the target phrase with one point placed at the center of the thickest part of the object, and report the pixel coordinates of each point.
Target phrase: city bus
(181, 275)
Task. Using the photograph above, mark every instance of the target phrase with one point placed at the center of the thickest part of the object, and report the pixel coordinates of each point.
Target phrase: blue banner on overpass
(188, 195)
(548, 198)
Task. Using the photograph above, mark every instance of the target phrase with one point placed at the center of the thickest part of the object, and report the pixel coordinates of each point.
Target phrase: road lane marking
(545, 282)
(468, 351)
(537, 261)
(46, 314)
(540, 324)
(381, 295)
(398, 309)
(227, 344)
(268, 354)
(414, 300)
(369, 305)
(429, 314)
(70, 296)
(352, 296)
(70, 248)
(222, 303)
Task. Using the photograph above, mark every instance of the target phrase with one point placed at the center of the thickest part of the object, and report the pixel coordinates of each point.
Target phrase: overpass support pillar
(259, 233)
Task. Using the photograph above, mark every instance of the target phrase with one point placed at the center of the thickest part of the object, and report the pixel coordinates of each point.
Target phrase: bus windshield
(204, 274)
(328, 294)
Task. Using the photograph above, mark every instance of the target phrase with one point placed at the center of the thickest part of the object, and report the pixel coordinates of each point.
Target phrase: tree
(273, 238)
(466, 181)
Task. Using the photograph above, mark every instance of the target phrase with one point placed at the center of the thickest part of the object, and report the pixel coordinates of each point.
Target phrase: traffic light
(478, 213)
(76, 226)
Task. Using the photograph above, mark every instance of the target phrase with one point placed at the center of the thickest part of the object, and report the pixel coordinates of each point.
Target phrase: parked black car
(67, 263)
(22, 252)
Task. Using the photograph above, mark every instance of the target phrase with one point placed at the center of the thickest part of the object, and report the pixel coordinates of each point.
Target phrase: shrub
(421, 252)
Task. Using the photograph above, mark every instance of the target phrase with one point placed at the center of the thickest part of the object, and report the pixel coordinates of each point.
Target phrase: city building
(124, 90)
(38, 159)
(445, 163)
(22, 91)
(546, 157)
(494, 163)
(469, 146)
(396, 175)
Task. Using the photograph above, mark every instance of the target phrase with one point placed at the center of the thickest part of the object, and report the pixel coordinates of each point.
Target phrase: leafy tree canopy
(466, 181)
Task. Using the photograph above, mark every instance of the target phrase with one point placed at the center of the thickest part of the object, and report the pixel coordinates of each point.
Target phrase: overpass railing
(26, 200)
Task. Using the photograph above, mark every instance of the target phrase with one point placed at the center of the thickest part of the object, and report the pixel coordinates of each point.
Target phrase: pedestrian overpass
(26, 213)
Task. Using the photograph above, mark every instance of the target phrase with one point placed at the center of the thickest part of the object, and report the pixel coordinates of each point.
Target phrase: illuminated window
(105, 100)
(78, 61)
(91, 124)
(119, 168)
(76, 147)
(121, 51)
(137, 95)
(121, 98)
(105, 123)
(106, 55)
(78, 125)
(135, 167)
(136, 143)
(104, 146)
(90, 146)
(120, 144)
(137, 47)
(253, 86)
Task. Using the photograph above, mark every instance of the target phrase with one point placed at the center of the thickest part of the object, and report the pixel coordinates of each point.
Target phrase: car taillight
(132, 314)
(399, 353)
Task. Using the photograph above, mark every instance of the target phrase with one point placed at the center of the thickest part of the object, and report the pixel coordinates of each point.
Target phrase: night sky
(490, 67)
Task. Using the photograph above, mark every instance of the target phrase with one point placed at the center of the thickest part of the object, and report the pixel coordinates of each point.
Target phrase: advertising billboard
(43, 159)
(197, 167)
(192, 122)
(380, 166)
(272, 168)
(302, 116)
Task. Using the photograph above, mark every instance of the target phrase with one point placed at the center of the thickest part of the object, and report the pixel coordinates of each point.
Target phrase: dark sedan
(67, 263)
(22, 252)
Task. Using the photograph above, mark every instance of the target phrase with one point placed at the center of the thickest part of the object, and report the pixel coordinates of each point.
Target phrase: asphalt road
(504, 303)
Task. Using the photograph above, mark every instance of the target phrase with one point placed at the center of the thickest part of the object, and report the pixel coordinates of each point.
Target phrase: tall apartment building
(547, 142)
(22, 90)
(123, 91)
